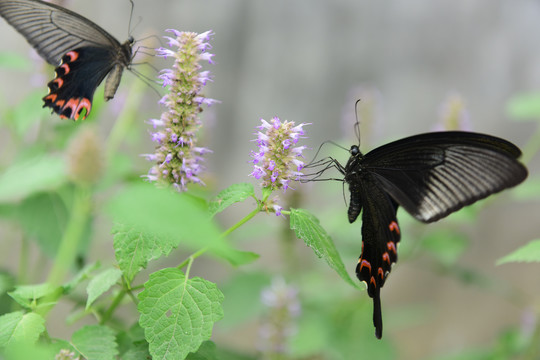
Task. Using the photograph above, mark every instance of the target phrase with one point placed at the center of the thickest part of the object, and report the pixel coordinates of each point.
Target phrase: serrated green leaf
(527, 253)
(29, 176)
(207, 351)
(134, 249)
(101, 283)
(167, 214)
(524, 106)
(233, 194)
(307, 227)
(178, 313)
(17, 327)
(95, 342)
(36, 296)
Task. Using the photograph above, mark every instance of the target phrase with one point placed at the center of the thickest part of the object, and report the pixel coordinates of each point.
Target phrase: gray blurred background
(308, 61)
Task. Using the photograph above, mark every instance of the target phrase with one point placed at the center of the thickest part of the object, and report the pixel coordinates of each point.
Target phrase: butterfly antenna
(357, 123)
(320, 147)
(159, 40)
(130, 17)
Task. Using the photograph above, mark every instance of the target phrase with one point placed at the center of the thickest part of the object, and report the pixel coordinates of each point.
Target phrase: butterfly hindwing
(77, 78)
(380, 236)
(83, 52)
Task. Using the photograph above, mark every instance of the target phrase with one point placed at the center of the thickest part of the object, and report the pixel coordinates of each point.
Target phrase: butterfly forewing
(433, 175)
(53, 30)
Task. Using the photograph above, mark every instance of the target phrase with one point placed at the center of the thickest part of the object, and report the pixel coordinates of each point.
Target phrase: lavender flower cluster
(277, 162)
(178, 158)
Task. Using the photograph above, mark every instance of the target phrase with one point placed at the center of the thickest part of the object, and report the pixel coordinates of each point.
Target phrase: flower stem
(248, 217)
(80, 213)
(200, 252)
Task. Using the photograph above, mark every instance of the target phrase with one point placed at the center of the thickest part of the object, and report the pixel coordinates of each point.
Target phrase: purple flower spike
(276, 163)
(177, 157)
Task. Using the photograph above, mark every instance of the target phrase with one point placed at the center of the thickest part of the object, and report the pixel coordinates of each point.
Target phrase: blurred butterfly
(84, 53)
(430, 175)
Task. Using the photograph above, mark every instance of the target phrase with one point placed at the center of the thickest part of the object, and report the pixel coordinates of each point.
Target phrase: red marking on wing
(366, 264)
(51, 97)
(73, 55)
(386, 258)
(391, 247)
(394, 227)
(381, 273)
(65, 68)
(85, 104)
(59, 82)
(373, 282)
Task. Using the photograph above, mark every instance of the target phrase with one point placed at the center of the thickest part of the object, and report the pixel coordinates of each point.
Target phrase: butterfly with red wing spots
(430, 175)
(84, 53)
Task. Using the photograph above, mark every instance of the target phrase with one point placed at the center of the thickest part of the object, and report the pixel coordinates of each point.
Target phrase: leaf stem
(116, 301)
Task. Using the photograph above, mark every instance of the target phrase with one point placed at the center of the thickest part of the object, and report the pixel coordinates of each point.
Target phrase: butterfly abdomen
(355, 204)
(123, 60)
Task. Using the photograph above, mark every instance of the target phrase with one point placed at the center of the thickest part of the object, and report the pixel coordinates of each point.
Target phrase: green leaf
(29, 176)
(101, 283)
(41, 224)
(95, 342)
(82, 275)
(524, 106)
(165, 214)
(527, 253)
(33, 351)
(233, 194)
(34, 297)
(307, 227)
(134, 249)
(207, 351)
(137, 351)
(178, 313)
(17, 327)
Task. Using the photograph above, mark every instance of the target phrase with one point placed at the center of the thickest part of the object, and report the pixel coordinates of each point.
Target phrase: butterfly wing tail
(377, 313)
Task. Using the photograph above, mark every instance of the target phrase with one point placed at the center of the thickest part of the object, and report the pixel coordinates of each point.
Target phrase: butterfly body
(83, 52)
(430, 175)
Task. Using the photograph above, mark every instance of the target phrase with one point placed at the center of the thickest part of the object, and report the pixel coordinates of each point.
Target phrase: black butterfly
(83, 52)
(430, 175)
